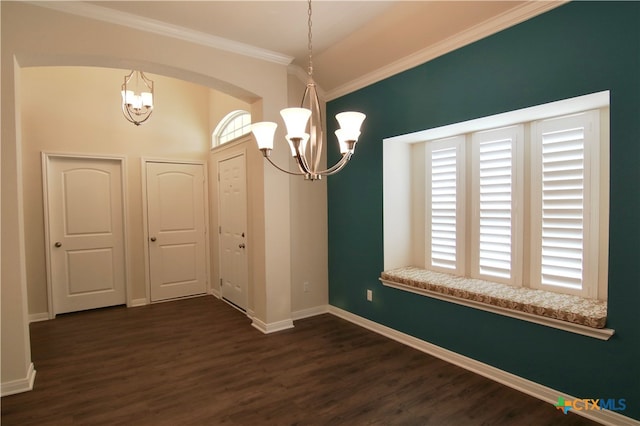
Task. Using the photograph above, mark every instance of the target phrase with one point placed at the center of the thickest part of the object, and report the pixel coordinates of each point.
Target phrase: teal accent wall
(576, 49)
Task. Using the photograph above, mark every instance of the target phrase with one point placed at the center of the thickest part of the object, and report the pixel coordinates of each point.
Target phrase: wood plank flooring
(199, 362)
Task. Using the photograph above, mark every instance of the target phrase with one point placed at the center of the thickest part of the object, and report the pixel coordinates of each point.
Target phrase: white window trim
(217, 132)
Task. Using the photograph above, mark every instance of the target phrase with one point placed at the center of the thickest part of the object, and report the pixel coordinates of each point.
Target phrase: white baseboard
(271, 327)
(42, 316)
(215, 292)
(310, 312)
(138, 302)
(20, 385)
(534, 389)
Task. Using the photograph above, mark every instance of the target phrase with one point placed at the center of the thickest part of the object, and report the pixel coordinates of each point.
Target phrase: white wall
(35, 36)
(77, 110)
(308, 219)
(309, 229)
(16, 368)
(221, 104)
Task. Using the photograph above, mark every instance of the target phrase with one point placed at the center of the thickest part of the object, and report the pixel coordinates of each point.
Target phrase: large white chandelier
(305, 133)
(137, 97)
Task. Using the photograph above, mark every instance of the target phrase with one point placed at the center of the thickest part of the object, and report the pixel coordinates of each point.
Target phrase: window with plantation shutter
(496, 196)
(507, 213)
(564, 211)
(444, 204)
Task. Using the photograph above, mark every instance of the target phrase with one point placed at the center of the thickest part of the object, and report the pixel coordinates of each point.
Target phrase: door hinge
(220, 282)
(219, 229)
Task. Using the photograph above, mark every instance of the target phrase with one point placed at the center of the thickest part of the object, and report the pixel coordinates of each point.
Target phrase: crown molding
(162, 28)
(475, 33)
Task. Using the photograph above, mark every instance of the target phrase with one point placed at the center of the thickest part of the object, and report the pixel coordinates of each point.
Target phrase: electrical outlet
(370, 295)
(305, 287)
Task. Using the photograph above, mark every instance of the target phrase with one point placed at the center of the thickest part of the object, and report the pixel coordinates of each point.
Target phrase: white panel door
(233, 228)
(84, 201)
(176, 226)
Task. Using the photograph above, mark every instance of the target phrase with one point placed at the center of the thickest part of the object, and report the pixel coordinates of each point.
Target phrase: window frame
(404, 178)
(228, 120)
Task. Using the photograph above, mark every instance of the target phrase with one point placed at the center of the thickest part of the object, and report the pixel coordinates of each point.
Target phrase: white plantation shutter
(562, 208)
(496, 191)
(443, 207)
(445, 189)
(562, 212)
(538, 188)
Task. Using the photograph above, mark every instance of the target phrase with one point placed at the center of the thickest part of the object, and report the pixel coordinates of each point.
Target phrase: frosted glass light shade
(147, 99)
(296, 121)
(263, 132)
(350, 122)
(127, 97)
(303, 144)
(343, 136)
(137, 102)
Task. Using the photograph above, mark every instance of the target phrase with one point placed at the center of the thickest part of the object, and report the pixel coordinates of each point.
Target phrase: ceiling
(352, 40)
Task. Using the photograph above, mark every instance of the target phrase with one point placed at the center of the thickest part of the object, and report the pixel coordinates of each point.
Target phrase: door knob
(58, 244)
(152, 239)
(242, 245)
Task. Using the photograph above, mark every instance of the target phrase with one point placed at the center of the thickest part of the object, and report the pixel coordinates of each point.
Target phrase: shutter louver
(495, 198)
(562, 208)
(443, 208)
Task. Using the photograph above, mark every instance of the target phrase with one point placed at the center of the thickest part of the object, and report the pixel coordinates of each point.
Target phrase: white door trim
(46, 157)
(145, 218)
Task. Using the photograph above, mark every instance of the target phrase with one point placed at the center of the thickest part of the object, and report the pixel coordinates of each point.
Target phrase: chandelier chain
(310, 44)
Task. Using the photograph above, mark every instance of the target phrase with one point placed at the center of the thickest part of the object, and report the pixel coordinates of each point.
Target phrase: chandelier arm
(339, 166)
(336, 167)
(283, 170)
(129, 117)
(301, 160)
(143, 120)
(125, 112)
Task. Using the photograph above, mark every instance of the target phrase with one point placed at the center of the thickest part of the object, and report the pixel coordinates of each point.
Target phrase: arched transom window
(232, 126)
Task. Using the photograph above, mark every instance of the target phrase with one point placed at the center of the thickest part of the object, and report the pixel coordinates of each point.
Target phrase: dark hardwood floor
(199, 362)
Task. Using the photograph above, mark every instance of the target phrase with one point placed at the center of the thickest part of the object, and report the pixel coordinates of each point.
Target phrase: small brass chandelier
(304, 129)
(137, 97)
